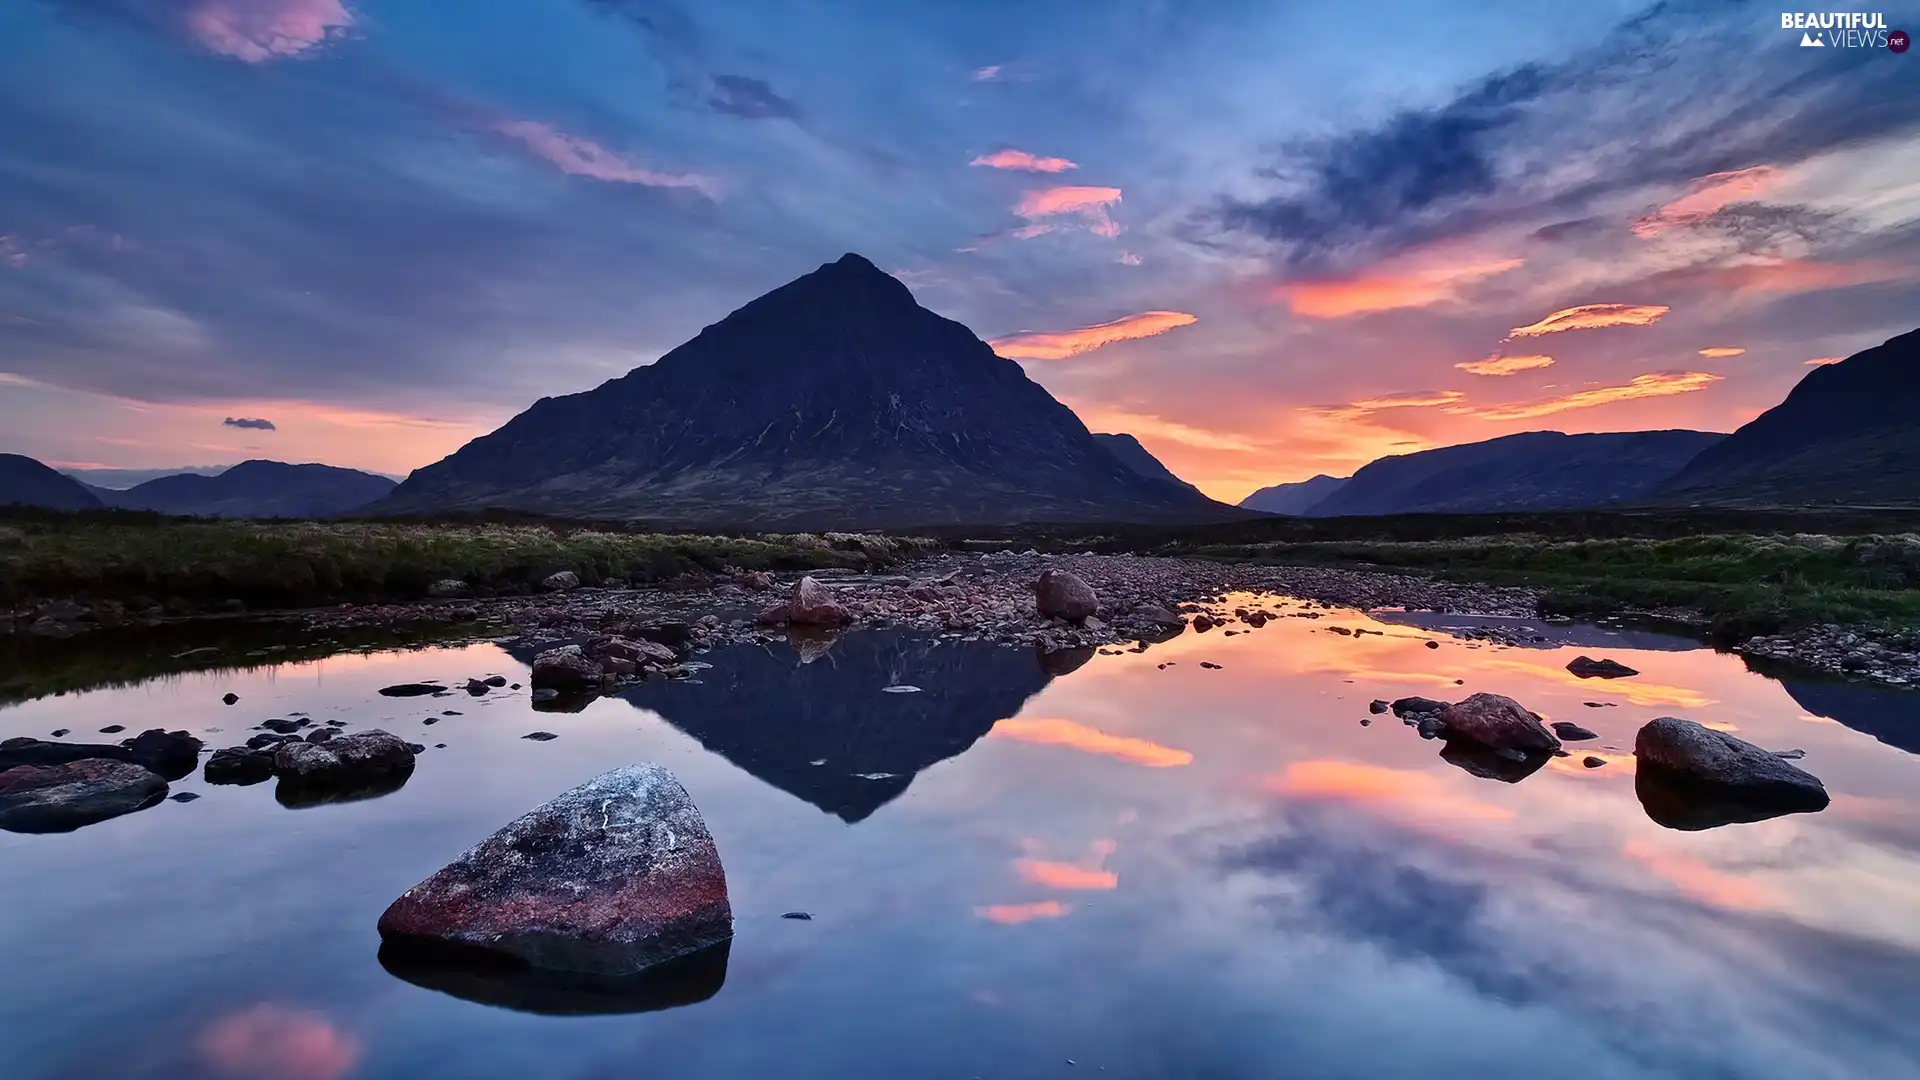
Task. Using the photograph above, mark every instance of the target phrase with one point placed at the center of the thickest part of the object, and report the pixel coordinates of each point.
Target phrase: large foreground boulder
(64, 797)
(1498, 722)
(1061, 595)
(813, 604)
(1690, 776)
(610, 878)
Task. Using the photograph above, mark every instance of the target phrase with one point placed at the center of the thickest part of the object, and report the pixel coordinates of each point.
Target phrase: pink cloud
(1061, 344)
(1656, 384)
(1128, 258)
(576, 156)
(1822, 361)
(256, 31)
(1023, 161)
(275, 1042)
(1721, 352)
(1593, 317)
(1089, 203)
(1706, 197)
(1417, 282)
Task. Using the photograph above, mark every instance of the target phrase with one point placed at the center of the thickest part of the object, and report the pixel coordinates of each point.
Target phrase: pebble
(541, 736)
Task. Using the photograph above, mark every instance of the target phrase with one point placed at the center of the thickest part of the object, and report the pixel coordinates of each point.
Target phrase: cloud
(1417, 799)
(1721, 352)
(576, 156)
(250, 423)
(256, 31)
(1128, 258)
(1141, 424)
(1090, 203)
(1387, 288)
(750, 99)
(1025, 162)
(1053, 731)
(1083, 876)
(990, 73)
(13, 252)
(1015, 914)
(1402, 399)
(1061, 344)
(277, 1042)
(1592, 317)
(1657, 384)
(1822, 361)
(1706, 197)
(1799, 275)
(1698, 880)
(1504, 365)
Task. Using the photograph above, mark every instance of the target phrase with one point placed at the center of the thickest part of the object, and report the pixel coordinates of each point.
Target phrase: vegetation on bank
(1742, 584)
(188, 564)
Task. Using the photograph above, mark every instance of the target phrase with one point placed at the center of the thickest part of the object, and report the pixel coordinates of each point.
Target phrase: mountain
(1534, 470)
(1849, 433)
(1139, 459)
(260, 489)
(1294, 500)
(122, 479)
(834, 401)
(26, 482)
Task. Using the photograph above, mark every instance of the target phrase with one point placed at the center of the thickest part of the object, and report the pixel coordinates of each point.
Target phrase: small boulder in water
(1572, 732)
(1690, 776)
(344, 761)
(813, 604)
(611, 878)
(1587, 667)
(412, 689)
(566, 668)
(239, 765)
(1499, 722)
(1062, 595)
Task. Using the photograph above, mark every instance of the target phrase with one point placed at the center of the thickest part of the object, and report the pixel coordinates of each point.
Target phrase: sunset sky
(1270, 240)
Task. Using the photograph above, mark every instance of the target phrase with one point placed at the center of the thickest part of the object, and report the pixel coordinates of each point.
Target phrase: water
(1118, 868)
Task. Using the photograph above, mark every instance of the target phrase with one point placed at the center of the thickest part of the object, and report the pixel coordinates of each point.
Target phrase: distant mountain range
(1294, 500)
(834, 401)
(1139, 459)
(26, 482)
(1849, 433)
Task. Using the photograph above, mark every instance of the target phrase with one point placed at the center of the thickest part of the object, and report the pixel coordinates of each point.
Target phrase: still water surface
(1124, 868)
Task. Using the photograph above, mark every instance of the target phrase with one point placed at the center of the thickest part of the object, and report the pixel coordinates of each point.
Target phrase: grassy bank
(190, 564)
(1741, 584)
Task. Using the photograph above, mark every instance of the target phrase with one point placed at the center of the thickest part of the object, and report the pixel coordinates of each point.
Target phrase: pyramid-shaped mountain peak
(833, 401)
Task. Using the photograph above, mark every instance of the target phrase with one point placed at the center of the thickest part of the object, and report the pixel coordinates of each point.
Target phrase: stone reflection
(1675, 801)
(492, 978)
(296, 795)
(1507, 766)
(816, 724)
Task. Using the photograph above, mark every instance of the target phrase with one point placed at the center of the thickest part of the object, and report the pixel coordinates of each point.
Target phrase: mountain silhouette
(1294, 500)
(26, 482)
(258, 488)
(1139, 458)
(834, 401)
(1848, 433)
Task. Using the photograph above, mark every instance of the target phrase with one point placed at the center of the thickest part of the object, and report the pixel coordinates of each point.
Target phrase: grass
(187, 564)
(1739, 584)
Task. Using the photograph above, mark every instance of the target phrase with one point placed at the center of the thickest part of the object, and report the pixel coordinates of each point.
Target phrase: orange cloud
(1822, 361)
(274, 1042)
(576, 156)
(1387, 289)
(1061, 344)
(1023, 161)
(1706, 197)
(1504, 365)
(1416, 798)
(1015, 914)
(256, 31)
(1404, 399)
(1805, 275)
(1720, 352)
(1086, 875)
(1698, 880)
(1053, 731)
(1593, 317)
(1656, 384)
(1144, 425)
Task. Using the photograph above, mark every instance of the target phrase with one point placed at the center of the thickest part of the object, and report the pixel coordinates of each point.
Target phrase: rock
(113, 729)
(1572, 732)
(757, 580)
(1790, 755)
(1592, 762)
(58, 732)
(541, 736)
(183, 797)
(172, 754)
(449, 589)
(1210, 665)
(611, 878)
(320, 735)
(640, 651)
(1377, 706)
(343, 762)
(1707, 778)
(1499, 723)
(284, 727)
(1588, 668)
(46, 626)
(1409, 708)
(1433, 644)
(674, 635)
(230, 699)
(1058, 662)
(566, 668)
(412, 689)
(478, 687)
(813, 604)
(772, 616)
(238, 766)
(64, 797)
(798, 916)
(1203, 623)
(1062, 595)
(560, 582)
(497, 681)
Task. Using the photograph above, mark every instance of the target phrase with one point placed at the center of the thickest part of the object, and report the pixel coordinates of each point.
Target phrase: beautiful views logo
(1843, 30)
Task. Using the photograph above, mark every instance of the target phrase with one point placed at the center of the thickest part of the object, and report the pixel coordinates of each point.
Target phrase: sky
(1268, 239)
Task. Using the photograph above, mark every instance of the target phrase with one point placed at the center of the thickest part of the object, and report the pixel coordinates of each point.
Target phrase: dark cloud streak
(248, 422)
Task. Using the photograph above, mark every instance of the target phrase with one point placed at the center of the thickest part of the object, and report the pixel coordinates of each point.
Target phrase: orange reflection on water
(1415, 798)
(1015, 914)
(1617, 763)
(1633, 689)
(1082, 876)
(1055, 731)
(1698, 880)
(277, 1042)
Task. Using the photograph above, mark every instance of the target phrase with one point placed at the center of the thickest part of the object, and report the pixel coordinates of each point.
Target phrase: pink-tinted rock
(639, 651)
(610, 878)
(813, 604)
(60, 798)
(346, 760)
(1498, 722)
(1061, 595)
(566, 669)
